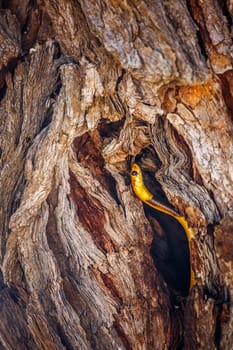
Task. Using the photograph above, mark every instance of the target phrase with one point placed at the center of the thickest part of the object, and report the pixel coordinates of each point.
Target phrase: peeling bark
(86, 88)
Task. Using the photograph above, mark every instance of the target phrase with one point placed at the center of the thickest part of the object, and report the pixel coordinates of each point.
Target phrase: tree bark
(87, 88)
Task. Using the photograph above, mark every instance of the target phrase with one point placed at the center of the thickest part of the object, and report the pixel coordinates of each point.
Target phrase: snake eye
(134, 173)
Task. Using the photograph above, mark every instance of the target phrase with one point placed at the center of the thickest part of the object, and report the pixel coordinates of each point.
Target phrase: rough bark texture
(86, 86)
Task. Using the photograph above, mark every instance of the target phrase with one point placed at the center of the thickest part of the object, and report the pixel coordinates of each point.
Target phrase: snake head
(135, 170)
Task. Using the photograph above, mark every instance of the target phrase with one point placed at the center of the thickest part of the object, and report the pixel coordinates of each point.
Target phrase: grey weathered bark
(85, 87)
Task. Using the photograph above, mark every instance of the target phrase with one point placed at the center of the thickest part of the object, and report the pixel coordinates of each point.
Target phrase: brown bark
(85, 88)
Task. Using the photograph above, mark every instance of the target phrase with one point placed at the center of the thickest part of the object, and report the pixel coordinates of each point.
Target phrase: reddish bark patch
(88, 151)
(28, 15)
(106, 280)
(197, 13)
(150, 276)
(122, 335)
(227, 90)
(223, 240)
(91, 215)
(109, 283)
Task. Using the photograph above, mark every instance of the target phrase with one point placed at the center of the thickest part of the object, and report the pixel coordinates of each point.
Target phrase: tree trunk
(87, 88)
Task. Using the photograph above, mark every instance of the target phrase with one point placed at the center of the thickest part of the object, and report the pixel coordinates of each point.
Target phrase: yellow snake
(145, 196)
